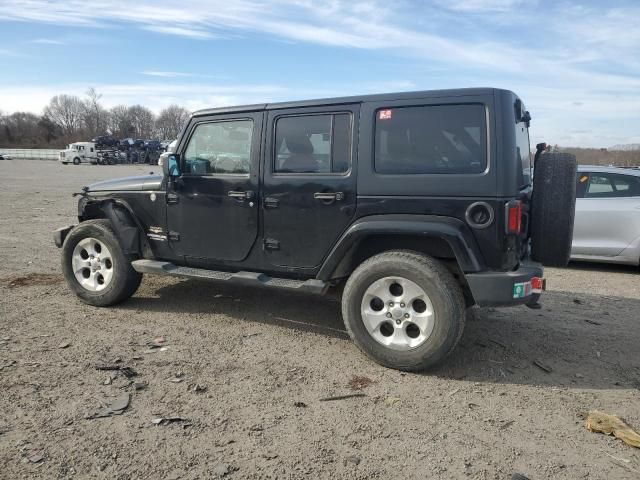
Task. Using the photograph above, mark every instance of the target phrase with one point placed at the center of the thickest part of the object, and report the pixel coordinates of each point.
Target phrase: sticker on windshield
(384, 115)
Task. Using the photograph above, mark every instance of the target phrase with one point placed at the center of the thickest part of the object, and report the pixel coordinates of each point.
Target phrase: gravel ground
(246, 370)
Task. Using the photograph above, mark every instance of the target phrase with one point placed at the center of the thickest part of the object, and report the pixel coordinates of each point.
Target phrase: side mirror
(171, 166)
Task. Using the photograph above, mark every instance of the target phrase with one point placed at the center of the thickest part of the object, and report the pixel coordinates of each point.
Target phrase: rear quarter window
(434, 139)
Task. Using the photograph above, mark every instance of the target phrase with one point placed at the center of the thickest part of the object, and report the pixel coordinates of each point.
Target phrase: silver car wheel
(92, 264)
(397, 313)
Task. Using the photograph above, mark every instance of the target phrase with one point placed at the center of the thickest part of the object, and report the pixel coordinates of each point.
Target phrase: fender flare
(453, 231)
(128, 228)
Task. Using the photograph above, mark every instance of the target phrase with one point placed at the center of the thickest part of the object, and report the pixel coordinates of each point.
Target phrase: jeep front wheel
(95, 267)
(403, 309)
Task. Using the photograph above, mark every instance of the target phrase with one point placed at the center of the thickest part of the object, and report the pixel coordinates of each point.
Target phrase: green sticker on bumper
(518, 290)
(521, 290)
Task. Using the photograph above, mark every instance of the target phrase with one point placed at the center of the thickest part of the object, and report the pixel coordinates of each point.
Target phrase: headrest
(299, 143)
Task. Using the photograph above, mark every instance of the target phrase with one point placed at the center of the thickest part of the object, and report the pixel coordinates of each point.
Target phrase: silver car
(607, 223)
(171, 148)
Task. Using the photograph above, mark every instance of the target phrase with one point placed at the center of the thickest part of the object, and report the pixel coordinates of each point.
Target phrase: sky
(576, 65)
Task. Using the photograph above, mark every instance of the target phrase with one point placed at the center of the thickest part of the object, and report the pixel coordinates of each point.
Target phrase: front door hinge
(271, 244)
(172, 197)
(173, 236)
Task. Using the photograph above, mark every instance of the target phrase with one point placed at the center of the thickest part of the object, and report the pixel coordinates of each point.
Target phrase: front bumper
(60, 234)
(495, 289)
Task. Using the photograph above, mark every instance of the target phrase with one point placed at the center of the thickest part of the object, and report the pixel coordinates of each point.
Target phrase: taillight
(514, 216)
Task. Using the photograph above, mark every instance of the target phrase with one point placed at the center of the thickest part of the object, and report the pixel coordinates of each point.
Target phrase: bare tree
(602, 156)
(120, 121)
(170, 121)
(66, 111)
(142, 121)
(21, 129)
(50, 132)
(95, 116)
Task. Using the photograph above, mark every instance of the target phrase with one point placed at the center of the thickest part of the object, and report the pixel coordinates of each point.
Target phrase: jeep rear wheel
(403, 309)
(553, 207)
(95, 267)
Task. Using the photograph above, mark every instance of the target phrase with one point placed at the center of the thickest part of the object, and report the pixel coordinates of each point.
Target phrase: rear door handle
(337, 196)
(270, 202)
(240, 195)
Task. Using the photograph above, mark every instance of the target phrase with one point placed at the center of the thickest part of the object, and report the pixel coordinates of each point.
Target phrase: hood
(138, 183)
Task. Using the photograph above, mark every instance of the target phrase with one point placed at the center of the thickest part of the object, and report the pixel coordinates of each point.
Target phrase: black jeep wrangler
(419, 205)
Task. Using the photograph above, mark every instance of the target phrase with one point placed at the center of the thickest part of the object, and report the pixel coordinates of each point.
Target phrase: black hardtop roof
(458, 92)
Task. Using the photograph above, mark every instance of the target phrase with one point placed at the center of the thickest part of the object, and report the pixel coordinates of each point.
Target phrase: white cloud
(363, 25)
(154, 73)
(180, 31)
(475, 6)
(48, 41)
(154, 95)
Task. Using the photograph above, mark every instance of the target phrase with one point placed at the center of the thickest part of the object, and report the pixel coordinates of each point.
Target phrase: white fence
(30, 153)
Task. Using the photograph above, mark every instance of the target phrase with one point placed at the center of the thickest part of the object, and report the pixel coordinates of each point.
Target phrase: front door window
(220, 148)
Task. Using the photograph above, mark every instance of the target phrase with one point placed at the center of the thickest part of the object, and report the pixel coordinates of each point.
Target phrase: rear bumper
(495, 289)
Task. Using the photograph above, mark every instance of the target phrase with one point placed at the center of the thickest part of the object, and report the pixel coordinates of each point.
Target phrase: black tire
(76, 161)
(125, 280)
(437, 282)
(553, 207)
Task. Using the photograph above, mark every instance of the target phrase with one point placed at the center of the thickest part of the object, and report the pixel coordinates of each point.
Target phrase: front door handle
(240, 194)
(329, 196)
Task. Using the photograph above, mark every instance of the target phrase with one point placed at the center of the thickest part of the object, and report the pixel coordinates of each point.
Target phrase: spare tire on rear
(553, 207)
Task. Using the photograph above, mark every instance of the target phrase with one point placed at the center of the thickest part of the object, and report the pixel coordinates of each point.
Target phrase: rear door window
(435, 139)
(612, 185)
(317, 144)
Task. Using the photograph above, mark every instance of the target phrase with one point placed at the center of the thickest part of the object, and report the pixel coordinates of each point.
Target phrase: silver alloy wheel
(397, 313)
(92, 264)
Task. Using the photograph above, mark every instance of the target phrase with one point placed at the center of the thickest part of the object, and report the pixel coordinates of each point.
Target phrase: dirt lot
(264, 359)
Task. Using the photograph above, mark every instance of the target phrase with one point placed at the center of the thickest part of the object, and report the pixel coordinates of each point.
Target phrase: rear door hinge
(173, 236)
(271, 244)
(172, 198)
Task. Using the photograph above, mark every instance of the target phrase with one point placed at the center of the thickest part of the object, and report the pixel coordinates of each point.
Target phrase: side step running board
(250, 278)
